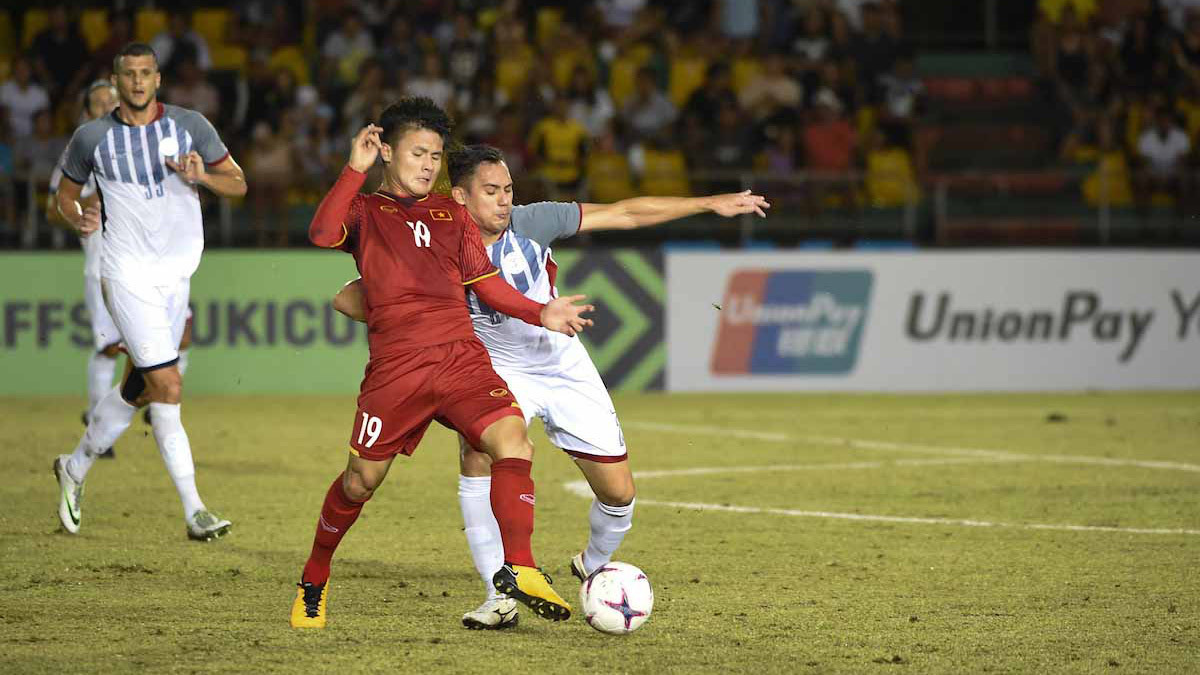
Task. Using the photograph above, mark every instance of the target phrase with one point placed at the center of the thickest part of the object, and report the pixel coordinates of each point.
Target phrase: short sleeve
(473, 258)
(206, 141)
(77, 160)
(544, 222)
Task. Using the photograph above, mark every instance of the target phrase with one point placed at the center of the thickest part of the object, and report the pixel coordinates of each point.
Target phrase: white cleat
(577, 568)
(493, 614)
(206, 526)
(70, 496)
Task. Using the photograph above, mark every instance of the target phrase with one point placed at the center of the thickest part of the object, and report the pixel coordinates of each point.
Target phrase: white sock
(176, 453)
(481, 528)
(109, 419)
(100, 370)
(183, 361)
(609, 525)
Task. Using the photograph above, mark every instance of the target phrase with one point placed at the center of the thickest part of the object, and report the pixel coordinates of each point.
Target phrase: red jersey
(414, 255)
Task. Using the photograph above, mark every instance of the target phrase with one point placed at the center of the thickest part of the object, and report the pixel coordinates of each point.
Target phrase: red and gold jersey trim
(481, 278)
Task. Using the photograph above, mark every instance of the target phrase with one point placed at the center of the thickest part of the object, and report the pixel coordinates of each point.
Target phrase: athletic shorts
(402, 393)
(150, 319)
(574, 406)
(104, 330)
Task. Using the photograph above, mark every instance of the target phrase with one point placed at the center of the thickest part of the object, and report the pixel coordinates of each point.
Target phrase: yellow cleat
(308, 611)
(531, 587)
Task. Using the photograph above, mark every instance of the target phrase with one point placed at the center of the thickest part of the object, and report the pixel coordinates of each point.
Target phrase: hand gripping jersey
(522, 254)
(151, 222)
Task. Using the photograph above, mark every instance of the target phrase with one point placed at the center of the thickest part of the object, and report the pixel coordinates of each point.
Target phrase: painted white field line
(861, 444)
(582, 489)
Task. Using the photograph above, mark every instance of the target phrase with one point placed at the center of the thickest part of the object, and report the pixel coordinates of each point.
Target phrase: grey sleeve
(77, 161)
(545, 222)
(204, 138)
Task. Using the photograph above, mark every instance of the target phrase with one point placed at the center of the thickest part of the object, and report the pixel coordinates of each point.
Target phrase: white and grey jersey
(522, 254)
(152, 228)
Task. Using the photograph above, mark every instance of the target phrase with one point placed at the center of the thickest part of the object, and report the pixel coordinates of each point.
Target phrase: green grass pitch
(858, 534)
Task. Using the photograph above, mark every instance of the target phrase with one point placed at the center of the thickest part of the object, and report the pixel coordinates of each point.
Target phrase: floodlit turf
(829, 552)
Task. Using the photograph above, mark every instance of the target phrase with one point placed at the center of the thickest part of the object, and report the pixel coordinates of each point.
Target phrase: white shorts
(150, 320)
(575, 408)
(104, 330)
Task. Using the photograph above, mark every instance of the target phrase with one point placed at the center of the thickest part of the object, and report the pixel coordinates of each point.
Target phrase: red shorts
(402, 393)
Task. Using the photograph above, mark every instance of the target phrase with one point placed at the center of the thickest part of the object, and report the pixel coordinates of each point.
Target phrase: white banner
(1062, 320)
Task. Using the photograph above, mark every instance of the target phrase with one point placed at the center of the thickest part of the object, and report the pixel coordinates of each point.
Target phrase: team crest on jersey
(498, 393)
(440, 214)
(389, 209)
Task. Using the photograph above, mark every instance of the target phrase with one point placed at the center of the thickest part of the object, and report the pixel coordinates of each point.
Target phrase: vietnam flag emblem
(440, 214)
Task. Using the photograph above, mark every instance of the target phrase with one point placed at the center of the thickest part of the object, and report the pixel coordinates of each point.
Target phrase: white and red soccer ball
(616, 598)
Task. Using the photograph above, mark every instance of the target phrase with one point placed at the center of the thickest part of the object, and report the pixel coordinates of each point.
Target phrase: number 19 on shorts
(369, 427)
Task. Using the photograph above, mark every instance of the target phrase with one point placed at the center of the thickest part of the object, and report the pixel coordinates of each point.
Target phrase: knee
(618, 495)
(111, 351)
(170, 391)
(358, 487)
(474, 463)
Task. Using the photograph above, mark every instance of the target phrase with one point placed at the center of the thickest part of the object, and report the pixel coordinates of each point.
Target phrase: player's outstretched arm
(350, 300)
(328, 228)
(628, 214)
(84, 221)
(560, 315)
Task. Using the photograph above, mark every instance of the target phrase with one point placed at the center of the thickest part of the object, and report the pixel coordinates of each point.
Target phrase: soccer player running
(148, 160)
(551, 375)
(99, 101)
(416, 251)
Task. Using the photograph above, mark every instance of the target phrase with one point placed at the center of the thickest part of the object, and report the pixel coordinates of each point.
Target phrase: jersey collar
(157, 116)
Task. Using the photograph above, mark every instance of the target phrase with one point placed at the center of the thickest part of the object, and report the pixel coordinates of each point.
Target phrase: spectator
(874, 51)
(812, 44)
(190, 89)
(23, 98)
(829, 147)
(432, 82)
(648, 111)
(346, 49)
(510, 138)
(60, 57)
(8, 197)
(120, 33)
(589, 103)
(559, 145)
(466, 52)
(903, 101)
(609, 177)
(35, 157)
(1162, 150)
(717, 89)
(1186, 49)
(179, 43)
(738, 19)
(664, 168)
(269, 170)
(480, 106)
(890, 180)
(771, 90)
(1139, 52)
(1179, 13)
(1108, 181)
(370, 93)
(729, 150)
(400, 56)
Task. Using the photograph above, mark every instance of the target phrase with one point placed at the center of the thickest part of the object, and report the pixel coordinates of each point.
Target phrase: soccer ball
(616, 598)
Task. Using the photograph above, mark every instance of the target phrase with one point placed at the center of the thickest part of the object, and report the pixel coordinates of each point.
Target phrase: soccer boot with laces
(577, 568)
(70, 496)
(531, 587)
(308, 609)
(493, 614)
(205, 526)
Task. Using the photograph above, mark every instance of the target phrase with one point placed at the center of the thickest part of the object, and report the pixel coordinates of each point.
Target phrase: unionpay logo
(792, 322)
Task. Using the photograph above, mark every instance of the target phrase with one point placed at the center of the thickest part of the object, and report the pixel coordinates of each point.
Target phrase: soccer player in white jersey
(552, 376)
(148, 160)
(99, 101)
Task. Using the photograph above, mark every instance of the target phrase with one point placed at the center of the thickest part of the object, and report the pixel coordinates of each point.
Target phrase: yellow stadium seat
(292, 59)
(745, 70)
(36, 20)
(609, 178)
(687, 74)
(548, 21)
(665, 174)
(93, 24)
(228, 57)
(213, 24)
(148, 23)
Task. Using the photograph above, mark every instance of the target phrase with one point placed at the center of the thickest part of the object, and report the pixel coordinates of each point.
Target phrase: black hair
(413, 112)
(463, 162)
(134, 49)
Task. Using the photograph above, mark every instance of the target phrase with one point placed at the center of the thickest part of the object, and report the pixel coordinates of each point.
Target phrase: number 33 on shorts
(369, 428)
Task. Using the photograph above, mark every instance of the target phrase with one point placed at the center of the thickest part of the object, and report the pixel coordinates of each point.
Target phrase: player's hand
(739, 203)
(562, 315)
(364, 149)
(90, 221)
(190, 167)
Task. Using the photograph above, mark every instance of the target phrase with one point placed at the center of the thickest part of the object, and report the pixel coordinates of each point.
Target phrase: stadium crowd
(603, 99)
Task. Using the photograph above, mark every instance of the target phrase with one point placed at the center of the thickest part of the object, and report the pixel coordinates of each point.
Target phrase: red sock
(338, 513)
(512, 502)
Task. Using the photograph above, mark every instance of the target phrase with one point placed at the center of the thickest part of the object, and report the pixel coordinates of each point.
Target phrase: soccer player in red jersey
(416, 251)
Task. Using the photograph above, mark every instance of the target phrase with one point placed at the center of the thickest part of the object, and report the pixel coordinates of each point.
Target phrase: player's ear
(459, 195)
(385, 152)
